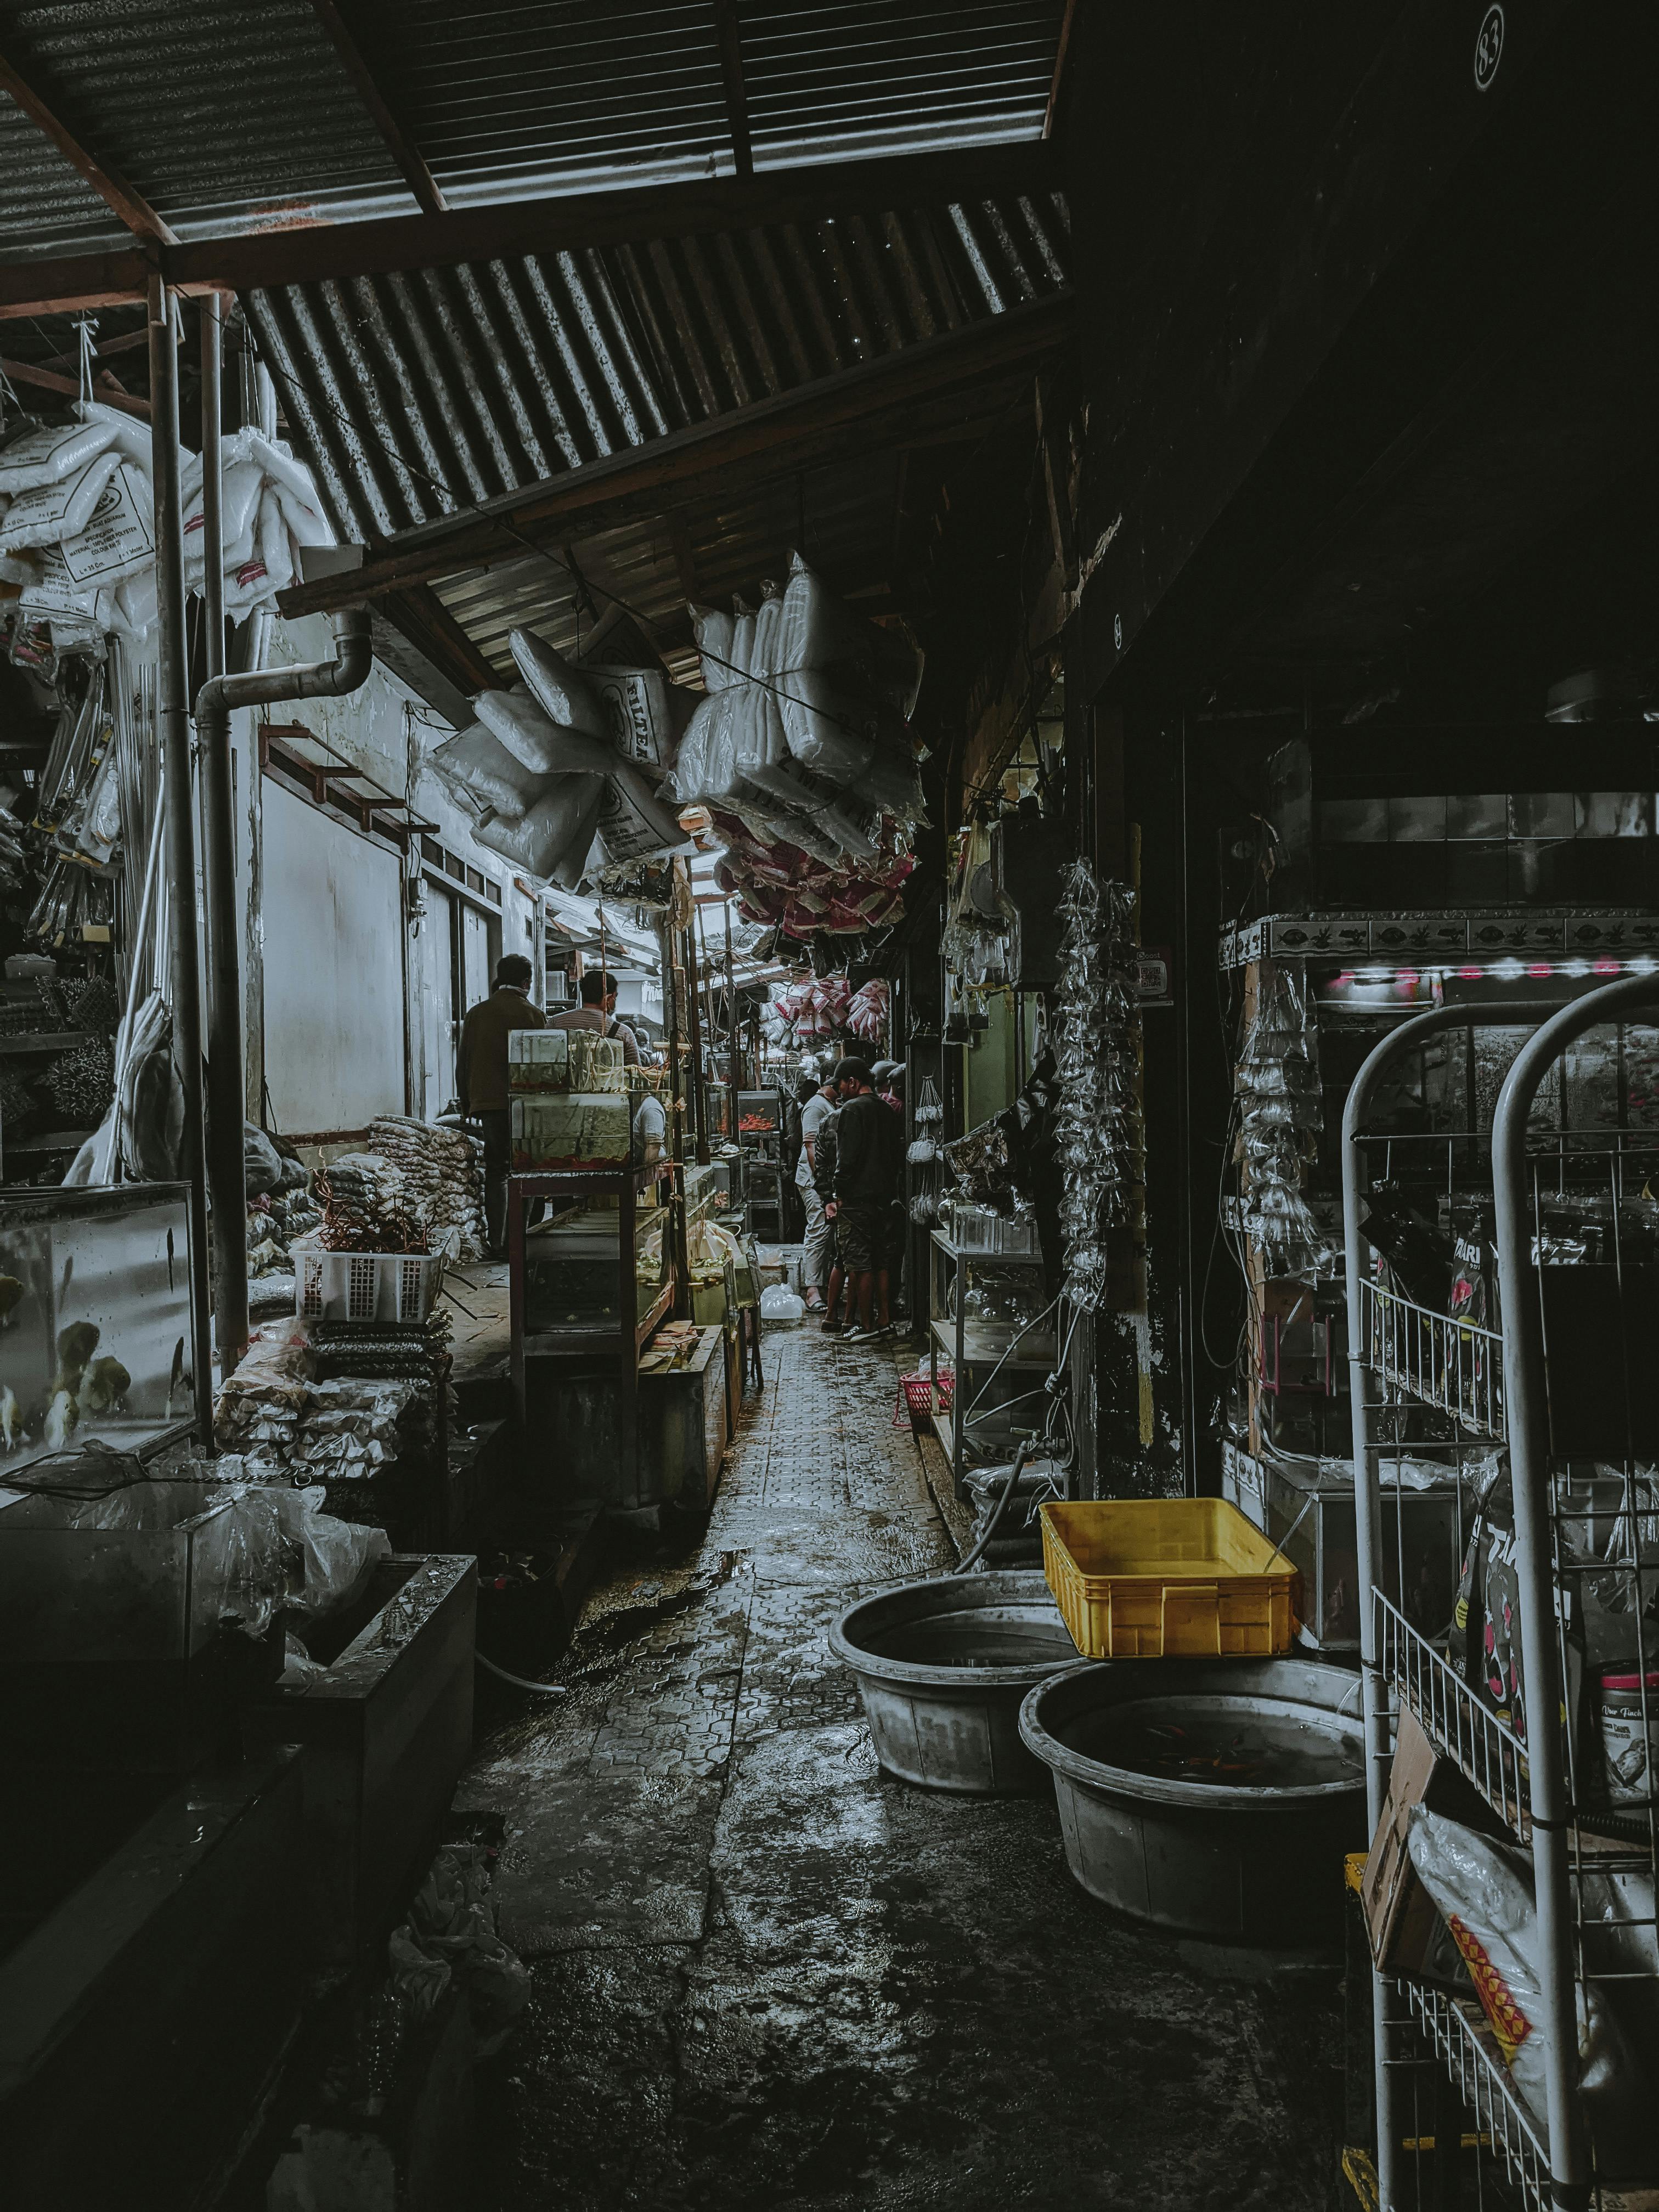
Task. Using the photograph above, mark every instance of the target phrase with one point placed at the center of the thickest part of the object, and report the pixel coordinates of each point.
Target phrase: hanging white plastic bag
(633, 821)
(562, 692)
(543, 746)
(478, 770)
(118, 537)
(62, 508)
(561, 820)
(711, 631)
(42, 456)
(639, 709)
(819, 631)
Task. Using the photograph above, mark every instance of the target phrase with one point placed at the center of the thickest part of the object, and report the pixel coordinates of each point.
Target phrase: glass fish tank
(573, 1274)
(94, 1321)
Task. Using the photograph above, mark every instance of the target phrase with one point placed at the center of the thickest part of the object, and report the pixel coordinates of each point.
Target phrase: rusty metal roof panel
(419, 395)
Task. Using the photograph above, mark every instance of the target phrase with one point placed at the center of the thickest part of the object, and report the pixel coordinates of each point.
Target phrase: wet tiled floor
(768, 1976)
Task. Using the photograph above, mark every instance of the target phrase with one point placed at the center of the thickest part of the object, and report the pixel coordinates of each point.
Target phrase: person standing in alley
(867, 1150)
(481, 1079)
(598, 1010)
(815, 1245)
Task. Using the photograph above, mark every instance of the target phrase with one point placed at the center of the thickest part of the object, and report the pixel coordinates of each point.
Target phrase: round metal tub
(1215, 1796)
(942, 1667)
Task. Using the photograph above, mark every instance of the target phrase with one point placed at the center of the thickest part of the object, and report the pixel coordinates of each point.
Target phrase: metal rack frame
(1528, 1785)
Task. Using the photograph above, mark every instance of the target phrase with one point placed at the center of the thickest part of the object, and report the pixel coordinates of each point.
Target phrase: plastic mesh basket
(366, 1286)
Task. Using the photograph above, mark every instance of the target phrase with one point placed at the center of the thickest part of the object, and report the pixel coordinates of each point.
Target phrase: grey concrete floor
(768, 1976)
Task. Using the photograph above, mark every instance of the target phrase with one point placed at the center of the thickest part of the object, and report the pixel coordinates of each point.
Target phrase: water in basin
(977, 1637)
(1231, 1743)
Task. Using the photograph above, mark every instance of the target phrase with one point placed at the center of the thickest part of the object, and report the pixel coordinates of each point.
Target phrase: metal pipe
(1526, 1398)
(173, 721)
(699, 1094)
(1367, 1498)
(214, 704)
(226, 1187)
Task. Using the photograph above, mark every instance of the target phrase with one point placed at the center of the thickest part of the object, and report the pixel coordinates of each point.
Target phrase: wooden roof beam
(411, 165)
(936, 380)
(130, 204)
(1062, 52)
(302, 253)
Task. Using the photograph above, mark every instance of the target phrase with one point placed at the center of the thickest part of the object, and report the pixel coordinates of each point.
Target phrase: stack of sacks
(259, 1408)
(352, 1427)
(443, 1178)
(79, 523)
(365, 1206)
(557, 772)
(77, 519)
(780, 883)
(802, 732)
(270, 508)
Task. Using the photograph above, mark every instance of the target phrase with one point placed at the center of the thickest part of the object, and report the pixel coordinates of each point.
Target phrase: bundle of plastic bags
(270, 508)
(867, 1011)
(802, 732)
(558, 773)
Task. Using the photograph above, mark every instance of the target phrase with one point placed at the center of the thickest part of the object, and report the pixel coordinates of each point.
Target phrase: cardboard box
(1408, 1935)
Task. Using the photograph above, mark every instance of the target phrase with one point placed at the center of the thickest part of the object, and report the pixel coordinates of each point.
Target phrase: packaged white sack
(562, 692)
(43, 455)
(561, 820)
(820, 631)
(49, 513)
(478, 770)
(543, 746)
(118, 536)
(633, 821)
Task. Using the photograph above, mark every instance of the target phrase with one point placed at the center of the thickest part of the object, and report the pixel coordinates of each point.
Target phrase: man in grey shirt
(598, 1010)
(815, 1251)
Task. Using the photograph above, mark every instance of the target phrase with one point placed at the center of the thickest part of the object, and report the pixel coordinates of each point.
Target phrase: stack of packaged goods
(568, 1101)
(365, 1206)
(442, 1174)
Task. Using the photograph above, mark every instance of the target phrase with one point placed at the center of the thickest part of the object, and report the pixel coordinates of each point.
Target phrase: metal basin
(1214, 1796)
(943, 1666)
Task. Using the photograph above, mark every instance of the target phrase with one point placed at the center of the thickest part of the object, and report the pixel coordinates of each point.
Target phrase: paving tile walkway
(768, 1976)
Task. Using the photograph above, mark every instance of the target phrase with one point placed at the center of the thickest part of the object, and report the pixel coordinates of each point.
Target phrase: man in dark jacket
(480, 1078)
(868, 1140)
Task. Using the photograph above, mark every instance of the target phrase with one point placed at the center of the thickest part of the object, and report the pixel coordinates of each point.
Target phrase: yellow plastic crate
(1166, 1579)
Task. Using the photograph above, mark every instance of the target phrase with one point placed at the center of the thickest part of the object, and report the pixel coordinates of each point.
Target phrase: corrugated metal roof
(831, 79)
(227, 115)
(416, 396)
(506, 99)
(223, 115)
(44, 200)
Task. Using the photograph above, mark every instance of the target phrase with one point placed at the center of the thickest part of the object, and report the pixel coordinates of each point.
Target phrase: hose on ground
(519, 1682)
